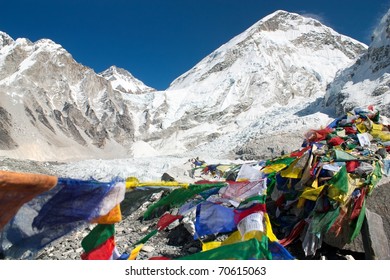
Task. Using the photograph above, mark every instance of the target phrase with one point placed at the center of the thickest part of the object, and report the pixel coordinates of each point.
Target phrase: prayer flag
(19, 188)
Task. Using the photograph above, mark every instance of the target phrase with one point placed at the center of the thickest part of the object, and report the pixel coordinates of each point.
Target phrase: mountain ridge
(50, 95)
(253, 76)
(253, 87)
(370, 72)
(123, 81)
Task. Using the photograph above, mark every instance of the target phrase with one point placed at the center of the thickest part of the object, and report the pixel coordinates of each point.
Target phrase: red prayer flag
(294, 234)
(103, 252)
(300, 153)
(166, 220)
(241, 214)
(318, 135)
(352, 165)
(158, 258)
(358, 204)
(350, 130)
(336, 141)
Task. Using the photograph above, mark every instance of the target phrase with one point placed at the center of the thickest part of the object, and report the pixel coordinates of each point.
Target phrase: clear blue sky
(158, 40)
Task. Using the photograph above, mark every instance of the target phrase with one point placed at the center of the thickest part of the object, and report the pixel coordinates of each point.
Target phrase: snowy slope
(255, 86)
(254, 96)
(367, 82)
(124, 81)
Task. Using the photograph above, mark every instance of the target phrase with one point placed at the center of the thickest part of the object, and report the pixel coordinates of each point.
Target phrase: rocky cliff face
(5, 39)
(367, 82)
(53, 105)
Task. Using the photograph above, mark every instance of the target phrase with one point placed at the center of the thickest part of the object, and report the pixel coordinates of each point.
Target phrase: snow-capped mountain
(55, 108)
(367, 82)
(124, 81)
(252, 89)
(5, 39)
(256, 94)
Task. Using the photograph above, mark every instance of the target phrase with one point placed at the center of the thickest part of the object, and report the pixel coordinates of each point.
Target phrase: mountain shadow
(317, 106)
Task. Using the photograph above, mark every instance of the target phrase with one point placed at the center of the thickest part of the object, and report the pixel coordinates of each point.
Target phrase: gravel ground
(127, 232)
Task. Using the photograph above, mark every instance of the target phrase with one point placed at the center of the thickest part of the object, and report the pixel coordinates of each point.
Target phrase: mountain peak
(283, 20)
(282, 42)
(281, 15)
(5, 39)
(124, 81)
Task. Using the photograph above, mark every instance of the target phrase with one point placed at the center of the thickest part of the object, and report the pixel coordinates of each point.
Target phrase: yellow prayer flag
(376, 126)
(134, 253)
(383, 135)
(311, 193)
(268, 229)
(233, 238)
(132, 182)
(292, 171)
(273, 168)
(112, 217)
(362, 126)
(314, 185)
(211, 245)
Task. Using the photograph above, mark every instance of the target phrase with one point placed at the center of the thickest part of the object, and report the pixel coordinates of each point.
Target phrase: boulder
(375, 242)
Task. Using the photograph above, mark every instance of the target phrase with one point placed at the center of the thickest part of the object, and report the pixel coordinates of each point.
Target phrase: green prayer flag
(261, 199)
(351, 146)
(287, 161)
(271, 183)
(359, 222)
(99, 234)
(245, 250)
(178, 197)
(322, 222)
(340, 180)
(374, 177)
(343, 156)
(147, 237)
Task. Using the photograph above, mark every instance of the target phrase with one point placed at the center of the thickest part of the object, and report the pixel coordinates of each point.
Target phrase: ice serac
(253, 89)
(55, 108)
(124, 81)
(366, 82)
